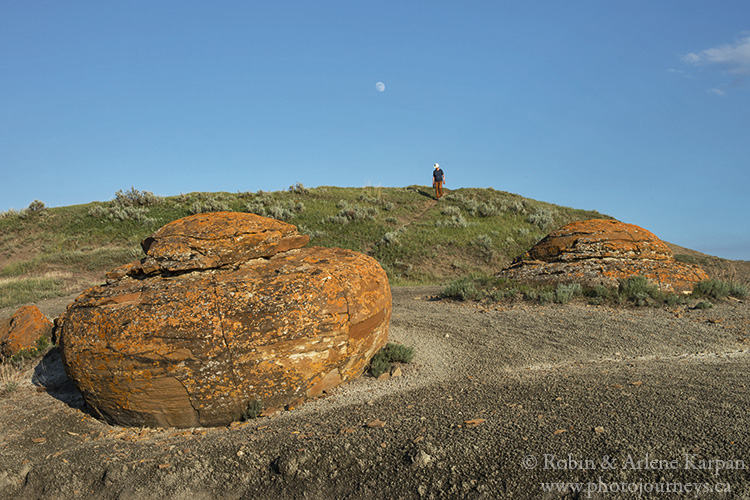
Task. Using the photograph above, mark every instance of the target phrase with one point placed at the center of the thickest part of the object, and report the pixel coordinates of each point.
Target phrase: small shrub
(451, 210)
(391, 353)
(379, 364)
(523, 232)
(487, 210)
(504, 293)
(253, 410)
(352, 213)
(456, 197)
(121, 212)
(712, 289)
(298, 188)
(128, 205)
(738, 290)
(484, 244)
(399, 353)
(546, 296)
(312, 233)
(390, 238)
(674, 299)
(35, 209)
(336, 219)
(705, 304)
(284, 211)
(639, 290)
(11, 212)
(210, 204)
(565, 292)
(598, 294)
(472, 206)
(542, 218)
(135, 198)
(518, 207)
(462, 289)
(483, 241)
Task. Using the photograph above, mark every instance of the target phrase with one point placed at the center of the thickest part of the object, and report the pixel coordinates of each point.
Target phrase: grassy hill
(50, 252)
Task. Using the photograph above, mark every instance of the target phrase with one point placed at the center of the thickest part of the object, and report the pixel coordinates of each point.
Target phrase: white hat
(437, 166)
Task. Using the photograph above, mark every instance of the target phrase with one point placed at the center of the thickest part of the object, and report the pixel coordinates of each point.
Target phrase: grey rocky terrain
(509, 401)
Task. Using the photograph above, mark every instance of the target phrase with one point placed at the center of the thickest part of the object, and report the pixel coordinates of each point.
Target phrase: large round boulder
(601, 251)
(207, 326)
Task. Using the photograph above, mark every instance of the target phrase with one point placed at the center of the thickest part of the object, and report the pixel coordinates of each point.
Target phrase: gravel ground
(500, 402)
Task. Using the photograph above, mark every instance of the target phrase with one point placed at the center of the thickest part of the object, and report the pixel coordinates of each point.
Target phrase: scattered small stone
(418, 439)
(470, 424)
(636, 383)
(39, 440)
(559, 431)
(384, 376)
(164, 466)
(599, 430)
(347, 430)
(376, 423)
(268, 412)
(396, 371)
(421, 458)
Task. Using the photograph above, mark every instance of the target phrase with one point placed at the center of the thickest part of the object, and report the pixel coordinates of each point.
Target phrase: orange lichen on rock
(599, 239)
(212, 240)
(22, 330)
(603, 252)
(198, 347)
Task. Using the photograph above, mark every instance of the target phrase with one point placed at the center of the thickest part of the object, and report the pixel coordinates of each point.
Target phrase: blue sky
(638, 109)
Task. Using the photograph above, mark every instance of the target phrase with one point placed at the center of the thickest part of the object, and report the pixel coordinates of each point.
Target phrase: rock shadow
(50, 377)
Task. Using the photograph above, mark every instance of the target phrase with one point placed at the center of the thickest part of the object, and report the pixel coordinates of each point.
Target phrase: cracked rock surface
(226, 310)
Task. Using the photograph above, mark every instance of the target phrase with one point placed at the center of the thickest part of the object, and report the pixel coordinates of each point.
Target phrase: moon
(380, 86)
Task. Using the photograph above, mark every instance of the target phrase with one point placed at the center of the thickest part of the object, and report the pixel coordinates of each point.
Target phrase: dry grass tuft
(11, 377)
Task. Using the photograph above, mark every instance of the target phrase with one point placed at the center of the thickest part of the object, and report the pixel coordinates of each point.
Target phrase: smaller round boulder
(602, 252)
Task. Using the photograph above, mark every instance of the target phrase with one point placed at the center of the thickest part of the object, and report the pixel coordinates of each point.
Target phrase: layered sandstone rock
(603, 252)
(22, 330)
(225, 310)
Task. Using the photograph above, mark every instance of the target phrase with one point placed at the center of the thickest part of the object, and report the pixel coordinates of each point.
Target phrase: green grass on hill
(416, 239)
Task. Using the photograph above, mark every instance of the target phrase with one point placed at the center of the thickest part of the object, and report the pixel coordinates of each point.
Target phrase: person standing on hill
(438, 179)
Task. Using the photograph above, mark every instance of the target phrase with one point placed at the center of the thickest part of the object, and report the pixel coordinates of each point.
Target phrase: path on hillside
(418, 215)
(414, 217)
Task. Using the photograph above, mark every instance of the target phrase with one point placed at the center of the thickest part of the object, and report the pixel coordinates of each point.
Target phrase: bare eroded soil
(498, 403)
